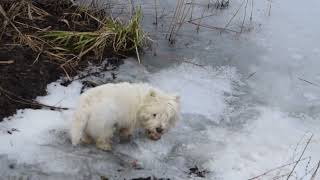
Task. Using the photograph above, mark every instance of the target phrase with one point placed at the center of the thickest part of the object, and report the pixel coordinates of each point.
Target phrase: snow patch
(202, 90)
(272, 140)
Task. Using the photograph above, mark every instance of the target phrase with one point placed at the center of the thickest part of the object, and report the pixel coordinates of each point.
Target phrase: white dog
(124, 107)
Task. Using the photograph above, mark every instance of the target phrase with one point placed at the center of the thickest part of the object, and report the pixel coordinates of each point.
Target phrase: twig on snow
(305, 147)
(21, 100)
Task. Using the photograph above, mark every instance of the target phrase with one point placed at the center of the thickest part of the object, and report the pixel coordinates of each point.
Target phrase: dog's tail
(78, 125)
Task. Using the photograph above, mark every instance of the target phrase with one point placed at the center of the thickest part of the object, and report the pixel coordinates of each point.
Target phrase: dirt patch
(196, 172)
(23, 78)
(150, 178)
(25, 70)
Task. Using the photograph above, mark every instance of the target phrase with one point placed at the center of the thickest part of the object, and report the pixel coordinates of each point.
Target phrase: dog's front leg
(104, 141)
(86, 139)
(104, 144)
(125, 134)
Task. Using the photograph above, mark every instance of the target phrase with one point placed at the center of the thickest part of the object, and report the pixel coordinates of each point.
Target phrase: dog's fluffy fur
(124, 107)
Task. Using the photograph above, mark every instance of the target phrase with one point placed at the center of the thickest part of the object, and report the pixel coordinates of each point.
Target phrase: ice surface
(202, 90)
(41, 136)
(250, 108)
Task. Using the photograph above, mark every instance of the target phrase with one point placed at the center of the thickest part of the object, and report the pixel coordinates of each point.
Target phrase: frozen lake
(250, 101)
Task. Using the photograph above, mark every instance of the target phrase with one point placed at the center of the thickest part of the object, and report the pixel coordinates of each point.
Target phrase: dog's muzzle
(154, 135)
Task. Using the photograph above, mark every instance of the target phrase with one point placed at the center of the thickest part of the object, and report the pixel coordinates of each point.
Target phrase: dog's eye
(154, 115)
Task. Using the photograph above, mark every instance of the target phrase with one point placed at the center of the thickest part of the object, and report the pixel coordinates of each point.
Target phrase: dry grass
(113, 34)
(289, 170)
(89, 32)
(181, 12)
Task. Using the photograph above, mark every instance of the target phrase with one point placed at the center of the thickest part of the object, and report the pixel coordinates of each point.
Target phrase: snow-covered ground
(253, 107)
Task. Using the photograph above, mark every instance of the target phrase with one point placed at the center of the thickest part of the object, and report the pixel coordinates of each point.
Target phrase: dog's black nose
(159, 130)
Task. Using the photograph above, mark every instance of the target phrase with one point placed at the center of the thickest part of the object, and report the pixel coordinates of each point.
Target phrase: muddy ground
(24, 73)
(23, 79)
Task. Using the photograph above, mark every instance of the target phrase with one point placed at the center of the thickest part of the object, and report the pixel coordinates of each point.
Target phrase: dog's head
(159, 112)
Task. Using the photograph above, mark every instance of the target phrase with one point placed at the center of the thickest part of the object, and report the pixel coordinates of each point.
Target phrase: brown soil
(22, 77)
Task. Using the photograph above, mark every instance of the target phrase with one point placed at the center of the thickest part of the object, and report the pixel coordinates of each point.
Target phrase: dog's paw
(86, 139)
(104, 146)
(125, 139)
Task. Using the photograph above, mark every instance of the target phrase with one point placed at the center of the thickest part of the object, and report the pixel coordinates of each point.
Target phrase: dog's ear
(177, 98)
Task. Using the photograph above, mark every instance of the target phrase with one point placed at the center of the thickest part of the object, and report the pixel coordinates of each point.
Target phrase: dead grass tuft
(80, 31)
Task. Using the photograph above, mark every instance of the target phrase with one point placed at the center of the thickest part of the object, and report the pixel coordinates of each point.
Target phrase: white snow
(270, 141)
(201, 89)
(38, 128)
(40, 132)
